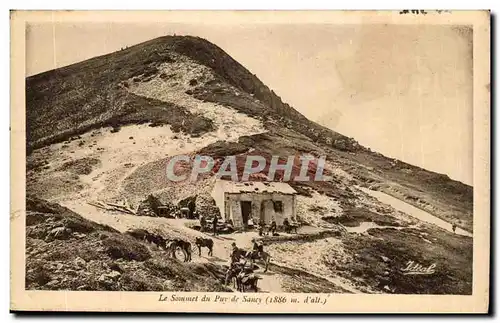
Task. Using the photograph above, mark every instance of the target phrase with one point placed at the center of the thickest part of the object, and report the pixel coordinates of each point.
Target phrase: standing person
(273, 227)
(454, 227)
(191, 207)
(262, 224)
(203, 223)
(214, 223)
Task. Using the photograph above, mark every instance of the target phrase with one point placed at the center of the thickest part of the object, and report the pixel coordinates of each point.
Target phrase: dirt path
(413, 211)
(300, 268)
(309, 257)
(120, 153)
(270, 281)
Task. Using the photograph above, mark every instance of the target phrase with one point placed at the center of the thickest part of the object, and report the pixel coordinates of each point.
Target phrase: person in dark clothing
(286, 225)
(214, 223)
(203, 223)
(235, 253)
(273, 227)
(257, 247)
(454, 227)
(191, 206)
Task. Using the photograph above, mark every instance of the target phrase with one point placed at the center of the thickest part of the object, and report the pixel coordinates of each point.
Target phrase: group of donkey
(241, 271)
(242, 281)
(172, 245)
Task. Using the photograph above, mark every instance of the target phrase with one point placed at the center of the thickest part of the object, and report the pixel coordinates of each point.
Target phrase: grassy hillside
(91, 94)
(71, 100)
(377, 260)
(67, 252)
(117, 119)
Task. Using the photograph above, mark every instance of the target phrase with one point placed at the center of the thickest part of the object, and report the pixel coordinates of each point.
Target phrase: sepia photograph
(251, 158)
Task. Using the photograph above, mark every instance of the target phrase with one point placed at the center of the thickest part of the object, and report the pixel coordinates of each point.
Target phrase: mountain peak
(90, 94)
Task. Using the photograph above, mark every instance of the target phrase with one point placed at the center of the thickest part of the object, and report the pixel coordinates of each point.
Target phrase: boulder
(114, 275)
(80, 262)
(59, 233)
(189, 203)
(205, 205)
(152, 206)
(167, 210)
(52, 283)
(186, 201)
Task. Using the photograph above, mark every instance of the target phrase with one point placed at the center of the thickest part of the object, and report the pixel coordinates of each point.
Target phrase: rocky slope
(104, 129)
(67, 252)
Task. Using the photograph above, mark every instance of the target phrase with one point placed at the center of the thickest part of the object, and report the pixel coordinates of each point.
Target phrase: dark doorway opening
(246, 211)
(278, 206)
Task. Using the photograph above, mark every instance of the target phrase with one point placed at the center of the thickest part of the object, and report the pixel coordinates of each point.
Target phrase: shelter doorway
(262, 214)
(246, 211)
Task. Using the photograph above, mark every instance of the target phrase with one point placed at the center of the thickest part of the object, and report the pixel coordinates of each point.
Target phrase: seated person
(293, 226)
(246, 271)
(258, 247)
(236, 253)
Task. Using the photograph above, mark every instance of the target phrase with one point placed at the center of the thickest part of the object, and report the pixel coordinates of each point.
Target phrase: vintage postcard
(250, 161)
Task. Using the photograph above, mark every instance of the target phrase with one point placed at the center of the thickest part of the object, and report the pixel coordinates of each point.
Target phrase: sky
(402, 90)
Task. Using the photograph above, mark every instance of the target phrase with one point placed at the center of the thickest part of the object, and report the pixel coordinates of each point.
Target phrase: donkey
(204, 242)
(146, 236)
(263, 256)
(232, 274)
(247, 281)
(185, 246)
